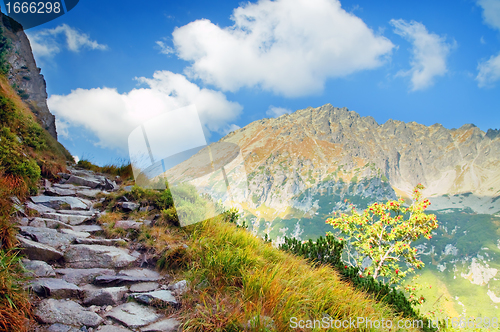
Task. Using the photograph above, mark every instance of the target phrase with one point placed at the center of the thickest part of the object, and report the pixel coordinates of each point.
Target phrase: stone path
(83, 281)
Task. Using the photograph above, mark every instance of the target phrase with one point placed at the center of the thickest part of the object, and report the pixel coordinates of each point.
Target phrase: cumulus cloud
(491, 12)
(277, 111)
(289, 47)
(111, 116)
(489, 71)
(429, 53)
(49, 42)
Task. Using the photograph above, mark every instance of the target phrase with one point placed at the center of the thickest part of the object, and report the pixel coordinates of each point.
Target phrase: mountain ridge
(406, 153)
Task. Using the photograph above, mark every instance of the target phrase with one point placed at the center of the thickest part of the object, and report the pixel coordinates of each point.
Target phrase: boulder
(128, 224)
(38, 251)
(129, 206)
(134, 315)
(90, 256)
(179, 287)
(51, 311)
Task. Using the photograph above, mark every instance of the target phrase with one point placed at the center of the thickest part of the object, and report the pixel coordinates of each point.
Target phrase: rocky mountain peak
(24, 74)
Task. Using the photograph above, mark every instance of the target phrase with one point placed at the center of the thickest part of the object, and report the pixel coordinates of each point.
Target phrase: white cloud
(48, 42)
(429, 53)
(491, 12)
(289, 47)
(164, 48)
(111, 116)
(277, 111)
(489, 71)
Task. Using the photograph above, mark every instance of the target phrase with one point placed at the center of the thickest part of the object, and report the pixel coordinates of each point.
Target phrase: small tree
(384, 233)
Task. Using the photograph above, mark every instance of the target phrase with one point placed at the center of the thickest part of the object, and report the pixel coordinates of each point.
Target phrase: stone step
(48, 223)
(38, 251)
(38, 268)
(51, 311)
(48, 236)
(159, 298)
(56, 288)
(67, 218)
(91, 256)
(104, 242)
(83, 276)
(115, 280)
(134, 315)
(56, 202)
(93, 295)
(87, 228)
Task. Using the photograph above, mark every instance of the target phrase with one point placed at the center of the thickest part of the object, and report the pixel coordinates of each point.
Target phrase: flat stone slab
(38, 269)
(39, 251)
(87, 228)
(54, 191)
(134, 315)
(49, 223)
(112, 328)
(48, 236)
(73, 179)
(39, 207)
(67, 218)
(78, 212)
(74, 234)
(165, 325)
(157, 298)
(91, 256)
(144, 287)
(55, 288)
(103, 296)
(83, 276)
(51, 311)
(147, 273)
(104, 242)
(120, 280)
(90, 193)
(68, 186)
(62, 328)
(56, 202)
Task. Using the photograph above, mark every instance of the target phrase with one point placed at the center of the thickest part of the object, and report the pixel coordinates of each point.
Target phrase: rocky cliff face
(316, 146)
(25, 75)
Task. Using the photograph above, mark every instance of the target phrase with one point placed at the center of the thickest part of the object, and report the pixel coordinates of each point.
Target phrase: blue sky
(112, 65)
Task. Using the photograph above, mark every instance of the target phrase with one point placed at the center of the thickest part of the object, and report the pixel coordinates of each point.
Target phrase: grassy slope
(26, 152)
